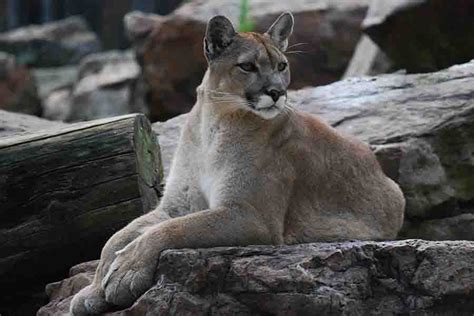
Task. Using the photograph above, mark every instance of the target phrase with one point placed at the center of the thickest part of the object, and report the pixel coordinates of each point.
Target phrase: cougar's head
(248, 70)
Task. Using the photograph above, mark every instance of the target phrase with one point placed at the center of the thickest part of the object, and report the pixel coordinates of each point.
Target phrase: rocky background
(76, 165)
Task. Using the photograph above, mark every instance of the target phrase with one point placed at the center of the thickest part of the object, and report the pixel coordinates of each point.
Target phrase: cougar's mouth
(268, 108)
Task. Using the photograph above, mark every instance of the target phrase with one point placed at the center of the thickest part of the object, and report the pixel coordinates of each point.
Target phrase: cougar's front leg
(91, 299)
(132, 271)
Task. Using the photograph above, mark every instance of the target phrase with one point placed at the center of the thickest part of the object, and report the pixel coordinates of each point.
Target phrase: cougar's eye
(249, 67)
(282, 66)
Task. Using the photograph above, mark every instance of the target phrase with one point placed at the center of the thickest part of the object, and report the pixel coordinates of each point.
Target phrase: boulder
(52, 44)
(351, 278)
(18, 91)
(54, 78)
(54, 85)
(421, 128)
(15, 124)
(107, 85)
(170, 47)
(422, 35)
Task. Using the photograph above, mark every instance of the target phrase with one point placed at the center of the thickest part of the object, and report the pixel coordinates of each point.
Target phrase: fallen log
(65, 191)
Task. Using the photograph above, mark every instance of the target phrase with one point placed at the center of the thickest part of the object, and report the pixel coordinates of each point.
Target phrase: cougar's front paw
(89, 301)
(130, 274)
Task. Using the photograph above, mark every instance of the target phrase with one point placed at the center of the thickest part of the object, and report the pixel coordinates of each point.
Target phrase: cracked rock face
(421, 128)
(351, 278)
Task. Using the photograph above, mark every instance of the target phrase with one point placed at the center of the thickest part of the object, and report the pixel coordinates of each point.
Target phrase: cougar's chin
(267, 108)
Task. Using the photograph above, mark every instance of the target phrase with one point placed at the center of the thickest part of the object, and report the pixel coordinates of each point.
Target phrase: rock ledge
(357, 278)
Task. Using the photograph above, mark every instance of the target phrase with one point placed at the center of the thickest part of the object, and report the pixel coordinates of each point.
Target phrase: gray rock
(57, 105)
(168, 135)
(18, 91)
(351, 278)
(50, 79)
(105, 86)
(22, 124)
(54, 85)
(52, 44)
(420, 126)
(422, 35)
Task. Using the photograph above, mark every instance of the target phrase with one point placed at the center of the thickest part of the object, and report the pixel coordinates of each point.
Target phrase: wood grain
(65, 191)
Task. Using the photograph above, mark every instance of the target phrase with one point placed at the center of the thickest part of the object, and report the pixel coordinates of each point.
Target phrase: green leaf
(245, 23)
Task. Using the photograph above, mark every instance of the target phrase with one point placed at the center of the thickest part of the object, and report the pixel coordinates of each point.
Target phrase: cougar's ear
(219, 35)
(281, 30)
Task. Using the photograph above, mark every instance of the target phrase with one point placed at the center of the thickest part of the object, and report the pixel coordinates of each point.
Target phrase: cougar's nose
(275, 94)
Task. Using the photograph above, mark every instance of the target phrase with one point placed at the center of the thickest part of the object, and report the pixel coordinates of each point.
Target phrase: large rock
(18, 92)
(15, 124)
(422, 130)
(55, 85)
(352, 278)
(107, 85)
(51, 44)
(423, 35)
(171, 55)
(54, 78)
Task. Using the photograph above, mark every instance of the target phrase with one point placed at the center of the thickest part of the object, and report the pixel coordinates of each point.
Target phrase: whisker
(296, 44)
(297, 52)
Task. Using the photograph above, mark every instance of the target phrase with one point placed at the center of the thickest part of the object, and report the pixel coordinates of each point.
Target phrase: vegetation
(245, 23)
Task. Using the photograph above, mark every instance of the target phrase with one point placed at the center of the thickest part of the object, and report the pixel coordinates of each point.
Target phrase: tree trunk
(65, 191)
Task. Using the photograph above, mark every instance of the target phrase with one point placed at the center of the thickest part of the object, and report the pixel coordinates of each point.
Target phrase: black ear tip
(219, 20)
(288, 15)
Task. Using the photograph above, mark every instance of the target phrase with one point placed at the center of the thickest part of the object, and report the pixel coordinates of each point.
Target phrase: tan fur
(239, 178)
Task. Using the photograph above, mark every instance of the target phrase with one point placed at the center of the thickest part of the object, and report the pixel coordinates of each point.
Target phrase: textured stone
(21, 124)
(54, 88)
(351, 278)
(105, 86)
(54, 78)
(52, 44)
(173, 63)
(420, 126)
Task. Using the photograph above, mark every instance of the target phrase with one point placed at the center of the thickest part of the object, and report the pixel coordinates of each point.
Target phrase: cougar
(248, 169)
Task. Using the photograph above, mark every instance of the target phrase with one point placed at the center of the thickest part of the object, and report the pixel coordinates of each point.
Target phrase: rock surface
(54, 87)
(442, 39)
(351, 278)
(106, 85)
(15, 124)
(421, 128)
(18, 91)
(173, 63)
(54, 78)
(52, 44)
